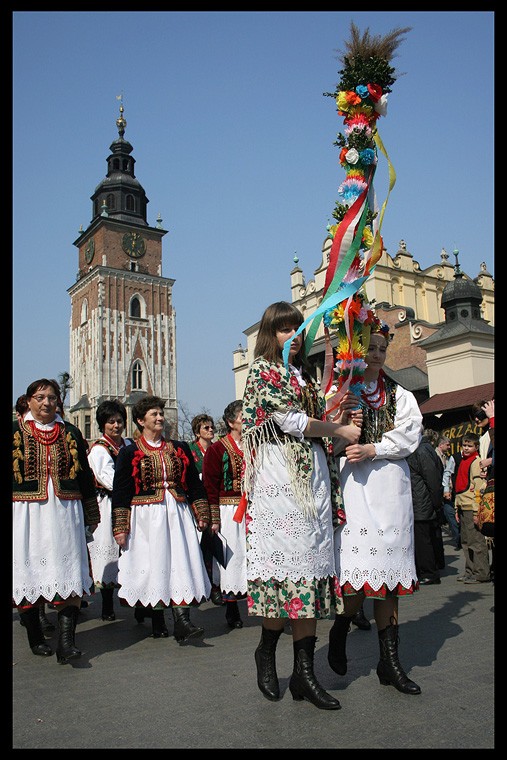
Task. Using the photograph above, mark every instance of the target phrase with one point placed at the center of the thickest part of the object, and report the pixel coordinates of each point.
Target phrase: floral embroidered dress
(157, 492)
(292, 504)
(53, 499)
(104, 550)
(375, 547)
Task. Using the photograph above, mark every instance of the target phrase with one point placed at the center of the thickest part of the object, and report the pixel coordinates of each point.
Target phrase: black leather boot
(46, 625)
(184, 629)
(141, 612)
(303, 683)
(159, 628)
(336, 653)
(232, 615)
(389, 669)
(31, 622)
(216, 596)
(267, 679)
(107, 604)
(66, 649)
(361, 621)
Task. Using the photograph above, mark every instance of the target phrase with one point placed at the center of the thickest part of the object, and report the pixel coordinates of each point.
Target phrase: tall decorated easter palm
(361, 95)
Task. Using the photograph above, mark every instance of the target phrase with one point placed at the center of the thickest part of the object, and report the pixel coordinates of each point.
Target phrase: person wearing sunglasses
(54, 500)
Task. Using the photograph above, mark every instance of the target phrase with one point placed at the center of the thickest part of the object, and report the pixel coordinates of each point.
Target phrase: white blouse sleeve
(293, 423)
(407, 432)
(102, 465)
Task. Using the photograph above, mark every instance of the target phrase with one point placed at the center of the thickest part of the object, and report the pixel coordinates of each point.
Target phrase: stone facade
(405, 296)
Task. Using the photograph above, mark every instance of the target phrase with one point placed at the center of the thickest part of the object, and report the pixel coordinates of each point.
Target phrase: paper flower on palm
(351, 321)
(361, 98)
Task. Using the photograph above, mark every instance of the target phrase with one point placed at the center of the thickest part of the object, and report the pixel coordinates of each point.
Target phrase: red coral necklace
(154, 448)
(46, 437)
(376, 397)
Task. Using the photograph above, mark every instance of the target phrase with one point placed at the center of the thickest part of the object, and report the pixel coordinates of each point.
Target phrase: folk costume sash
(272, 388)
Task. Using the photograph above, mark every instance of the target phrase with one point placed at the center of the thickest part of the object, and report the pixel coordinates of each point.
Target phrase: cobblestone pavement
(131, 691)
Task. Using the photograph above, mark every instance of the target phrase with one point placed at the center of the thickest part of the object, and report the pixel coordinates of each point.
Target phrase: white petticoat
(282, 542)
(232, 578)
(162, 560)
(104, 550)
(376, 544)
(49, 549)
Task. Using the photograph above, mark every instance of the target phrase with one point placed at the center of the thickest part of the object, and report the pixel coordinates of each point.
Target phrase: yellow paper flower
(342, 102)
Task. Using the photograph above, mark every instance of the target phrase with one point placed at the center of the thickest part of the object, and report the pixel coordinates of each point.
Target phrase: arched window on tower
(135, 308)
(116, 164)
(137, 376)
(110, 201)
(84, 311)
(131, 203)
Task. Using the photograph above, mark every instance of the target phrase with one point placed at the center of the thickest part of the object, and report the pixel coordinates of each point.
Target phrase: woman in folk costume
(292, 504)
(203, 428)
(375, 547)
(111, 418)
(53, 501)
(159, 504)
(221, 473)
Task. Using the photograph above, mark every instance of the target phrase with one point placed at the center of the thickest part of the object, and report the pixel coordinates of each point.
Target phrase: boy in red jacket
(469, 482)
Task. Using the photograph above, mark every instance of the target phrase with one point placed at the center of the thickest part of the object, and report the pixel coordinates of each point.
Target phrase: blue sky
(233, 141)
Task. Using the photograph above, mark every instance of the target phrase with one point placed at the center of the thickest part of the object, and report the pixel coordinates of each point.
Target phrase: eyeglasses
(40, 399)
(208, 427)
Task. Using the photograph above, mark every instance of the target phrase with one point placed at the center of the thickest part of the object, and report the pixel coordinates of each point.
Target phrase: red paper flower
(375, 92)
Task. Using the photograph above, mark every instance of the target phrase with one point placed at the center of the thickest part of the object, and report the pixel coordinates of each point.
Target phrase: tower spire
(121, 122)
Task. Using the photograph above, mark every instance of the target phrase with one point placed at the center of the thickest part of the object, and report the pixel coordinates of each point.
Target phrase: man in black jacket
(426, 471)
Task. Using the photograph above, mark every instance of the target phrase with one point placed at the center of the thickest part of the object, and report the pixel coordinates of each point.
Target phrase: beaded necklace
(46, 437)
(377, 396)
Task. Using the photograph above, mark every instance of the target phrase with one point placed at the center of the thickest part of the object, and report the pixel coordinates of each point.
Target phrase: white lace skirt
(50, 557)
(104, 551)
(232, 578)
(376, 544)
(162, 561)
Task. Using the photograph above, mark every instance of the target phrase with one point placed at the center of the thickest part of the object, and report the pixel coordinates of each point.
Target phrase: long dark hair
(277, 316)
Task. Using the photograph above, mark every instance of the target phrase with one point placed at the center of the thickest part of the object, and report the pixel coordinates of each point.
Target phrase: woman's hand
(348, 407)
(121, 540)
(350, 433)
(202, 525)
(358, 452)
